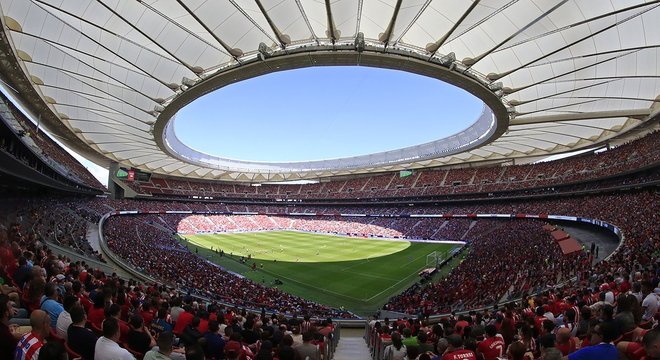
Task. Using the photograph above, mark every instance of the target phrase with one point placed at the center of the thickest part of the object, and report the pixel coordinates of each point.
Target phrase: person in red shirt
(96, 313)
(147, 314)
(185, 318)
(77, 288)
(493, 346)
(203, 322)
(114, 311)
(539, 318)
(462, 323)
(455, 349)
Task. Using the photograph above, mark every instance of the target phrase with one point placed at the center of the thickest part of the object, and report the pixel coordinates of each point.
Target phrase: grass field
(358, 274)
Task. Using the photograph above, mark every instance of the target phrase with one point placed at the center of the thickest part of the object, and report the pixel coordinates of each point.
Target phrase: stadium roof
(107, 76)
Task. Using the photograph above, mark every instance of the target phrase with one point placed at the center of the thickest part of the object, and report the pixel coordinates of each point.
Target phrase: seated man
(602, 346)
(139, 337)
(50, 305)
(30, 344)
(64, 320)
(455, 350)
(107, 347)
(79, 338)
(164, 349)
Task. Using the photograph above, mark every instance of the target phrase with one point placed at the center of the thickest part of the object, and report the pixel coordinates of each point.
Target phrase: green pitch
(358, 274)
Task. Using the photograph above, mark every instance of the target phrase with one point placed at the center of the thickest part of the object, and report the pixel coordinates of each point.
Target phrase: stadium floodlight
(448, 59)
(511, 110)
(265, 51)
(495, 86)
(188, 82)
(359, 42)
(159, 108)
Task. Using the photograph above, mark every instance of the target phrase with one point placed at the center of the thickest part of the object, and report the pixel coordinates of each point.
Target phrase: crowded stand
(41, 146)
(52, 306)
(637, 221)
(505, 260)
(516, 258)
(623, 159)
(635, 213)
(66, 224)
(152, 250)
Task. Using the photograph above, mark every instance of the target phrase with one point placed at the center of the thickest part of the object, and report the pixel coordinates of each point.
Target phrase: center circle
(325, 112)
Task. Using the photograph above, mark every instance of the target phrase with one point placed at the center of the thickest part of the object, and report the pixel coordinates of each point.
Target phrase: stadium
(531, 232)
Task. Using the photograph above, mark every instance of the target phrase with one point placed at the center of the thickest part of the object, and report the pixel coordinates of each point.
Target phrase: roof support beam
(549, 128)
(359, 16)
(387, 34)
(494, 76)
(509, 91)
(631, 113)
(515, 102)
(557, 107)
(332, 32)
(585, 21)
(158, 44)
(284, 40)
(309, 25)
(183, 28)
(471, 61)
(40, 3)
(545, 140)
(104, 109)
(597, 78)
(235, 53)
(250, 19)
(414, 20)
(123, 84)
(75, 76)
(433, 47)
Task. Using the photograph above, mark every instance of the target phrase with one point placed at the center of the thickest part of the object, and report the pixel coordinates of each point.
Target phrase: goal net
(433, 259)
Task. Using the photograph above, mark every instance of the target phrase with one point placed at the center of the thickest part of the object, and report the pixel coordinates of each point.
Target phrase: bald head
(563, 335)
(40, 322)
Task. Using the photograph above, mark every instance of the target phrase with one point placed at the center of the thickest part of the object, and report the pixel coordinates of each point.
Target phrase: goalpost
(434, 259)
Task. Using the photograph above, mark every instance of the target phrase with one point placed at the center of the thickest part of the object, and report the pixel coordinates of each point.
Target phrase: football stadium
(192, 179)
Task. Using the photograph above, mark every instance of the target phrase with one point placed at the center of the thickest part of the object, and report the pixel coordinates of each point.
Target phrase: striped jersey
(28, 347)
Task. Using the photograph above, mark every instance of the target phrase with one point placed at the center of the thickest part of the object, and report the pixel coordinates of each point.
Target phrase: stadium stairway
(352, 348)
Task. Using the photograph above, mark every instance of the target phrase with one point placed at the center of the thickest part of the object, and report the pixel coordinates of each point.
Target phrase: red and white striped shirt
(28, 347)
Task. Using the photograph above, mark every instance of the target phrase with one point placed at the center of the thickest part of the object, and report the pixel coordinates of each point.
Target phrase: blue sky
(324, 112)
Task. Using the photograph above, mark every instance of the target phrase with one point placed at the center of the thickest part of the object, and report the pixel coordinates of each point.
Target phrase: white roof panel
(109, 67)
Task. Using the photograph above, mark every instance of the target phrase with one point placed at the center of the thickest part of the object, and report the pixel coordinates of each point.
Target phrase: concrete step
(352, 348)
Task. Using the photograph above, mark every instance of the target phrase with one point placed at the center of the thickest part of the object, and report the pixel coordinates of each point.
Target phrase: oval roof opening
(322, 113)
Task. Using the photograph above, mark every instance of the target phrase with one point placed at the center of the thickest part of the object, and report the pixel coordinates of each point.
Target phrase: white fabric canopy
(104, 66)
